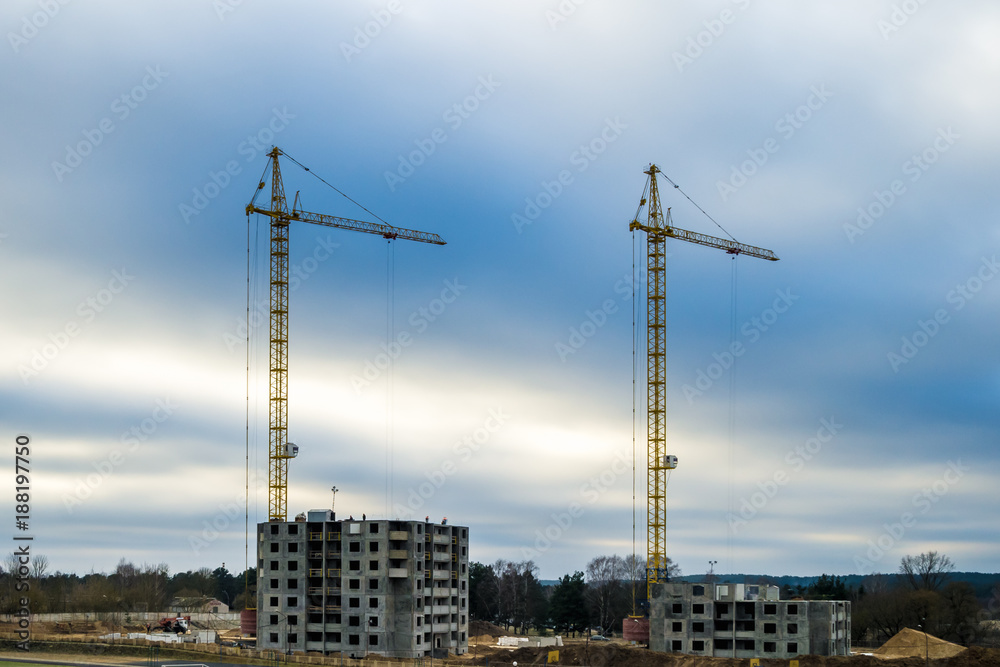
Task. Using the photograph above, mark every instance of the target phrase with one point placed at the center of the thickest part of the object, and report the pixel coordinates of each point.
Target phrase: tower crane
(658, 228)
(279, 449)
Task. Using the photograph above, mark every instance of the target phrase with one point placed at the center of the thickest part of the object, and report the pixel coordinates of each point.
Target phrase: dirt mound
(975, 656)
(909, 643)
(72, 627)
(478, 628)
(613, 654)
(609, 655)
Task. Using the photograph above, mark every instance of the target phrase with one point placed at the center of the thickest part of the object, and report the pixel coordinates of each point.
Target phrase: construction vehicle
(180, 625)
(659, 228)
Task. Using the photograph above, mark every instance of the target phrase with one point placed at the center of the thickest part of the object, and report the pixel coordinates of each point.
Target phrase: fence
(137, 617)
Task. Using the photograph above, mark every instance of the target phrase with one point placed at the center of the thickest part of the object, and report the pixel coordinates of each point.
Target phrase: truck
(178, 624)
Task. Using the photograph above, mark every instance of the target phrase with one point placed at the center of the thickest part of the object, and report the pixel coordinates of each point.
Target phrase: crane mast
(658, 228)
(279, 449)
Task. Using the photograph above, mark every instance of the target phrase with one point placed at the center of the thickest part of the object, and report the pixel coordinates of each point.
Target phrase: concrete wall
(230, 618)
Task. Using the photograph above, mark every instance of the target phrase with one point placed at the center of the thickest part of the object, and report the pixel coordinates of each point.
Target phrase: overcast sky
(856, 423)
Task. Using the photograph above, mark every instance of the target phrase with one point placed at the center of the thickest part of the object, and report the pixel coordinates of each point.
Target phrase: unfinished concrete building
(743, 621)
(393, 588)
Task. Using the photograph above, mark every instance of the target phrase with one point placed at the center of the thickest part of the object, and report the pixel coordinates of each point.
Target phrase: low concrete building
(743, 621)
(392, 588)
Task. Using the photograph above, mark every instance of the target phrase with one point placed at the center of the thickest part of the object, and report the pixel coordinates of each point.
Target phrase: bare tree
(39, 567)
(883, 608)
(635, 579)
(928, 571)
(606, 589)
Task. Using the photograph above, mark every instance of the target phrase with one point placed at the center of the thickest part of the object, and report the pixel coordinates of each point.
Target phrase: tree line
(129, 588)
(921, 595)
(510, 595)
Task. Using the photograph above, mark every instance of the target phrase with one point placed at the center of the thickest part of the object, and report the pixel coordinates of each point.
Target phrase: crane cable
(635, 370)
(246, 501)
(734, 293)
(323, 180)
(390, 323)
(251, 299)
(678, 188)
(732, 376)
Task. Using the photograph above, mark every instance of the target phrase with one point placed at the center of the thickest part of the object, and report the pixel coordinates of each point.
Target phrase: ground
(482, 652)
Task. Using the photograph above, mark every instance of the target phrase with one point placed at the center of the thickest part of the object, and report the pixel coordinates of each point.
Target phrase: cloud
(237, 84)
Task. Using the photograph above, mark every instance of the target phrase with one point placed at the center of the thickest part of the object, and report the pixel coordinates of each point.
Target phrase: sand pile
(909, 643)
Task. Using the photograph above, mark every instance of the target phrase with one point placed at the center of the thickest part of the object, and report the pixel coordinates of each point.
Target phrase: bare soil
(620, 654)
(483, 651)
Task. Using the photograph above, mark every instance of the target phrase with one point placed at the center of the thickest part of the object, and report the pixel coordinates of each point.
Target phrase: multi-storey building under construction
(393, 588)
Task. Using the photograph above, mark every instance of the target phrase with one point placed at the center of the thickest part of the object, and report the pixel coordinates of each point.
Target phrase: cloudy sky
(856, 422)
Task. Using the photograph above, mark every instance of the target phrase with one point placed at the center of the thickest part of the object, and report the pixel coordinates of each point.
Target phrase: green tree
(827, 588)
(482, 592)
(567, 608)
(227, 587)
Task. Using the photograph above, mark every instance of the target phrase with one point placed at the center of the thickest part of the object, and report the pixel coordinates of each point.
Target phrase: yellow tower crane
(658, 228)
(279, 449)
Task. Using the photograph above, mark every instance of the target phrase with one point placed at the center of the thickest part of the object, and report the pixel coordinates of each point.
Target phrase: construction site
(334, 590)
(400, 588)
(501, 333)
